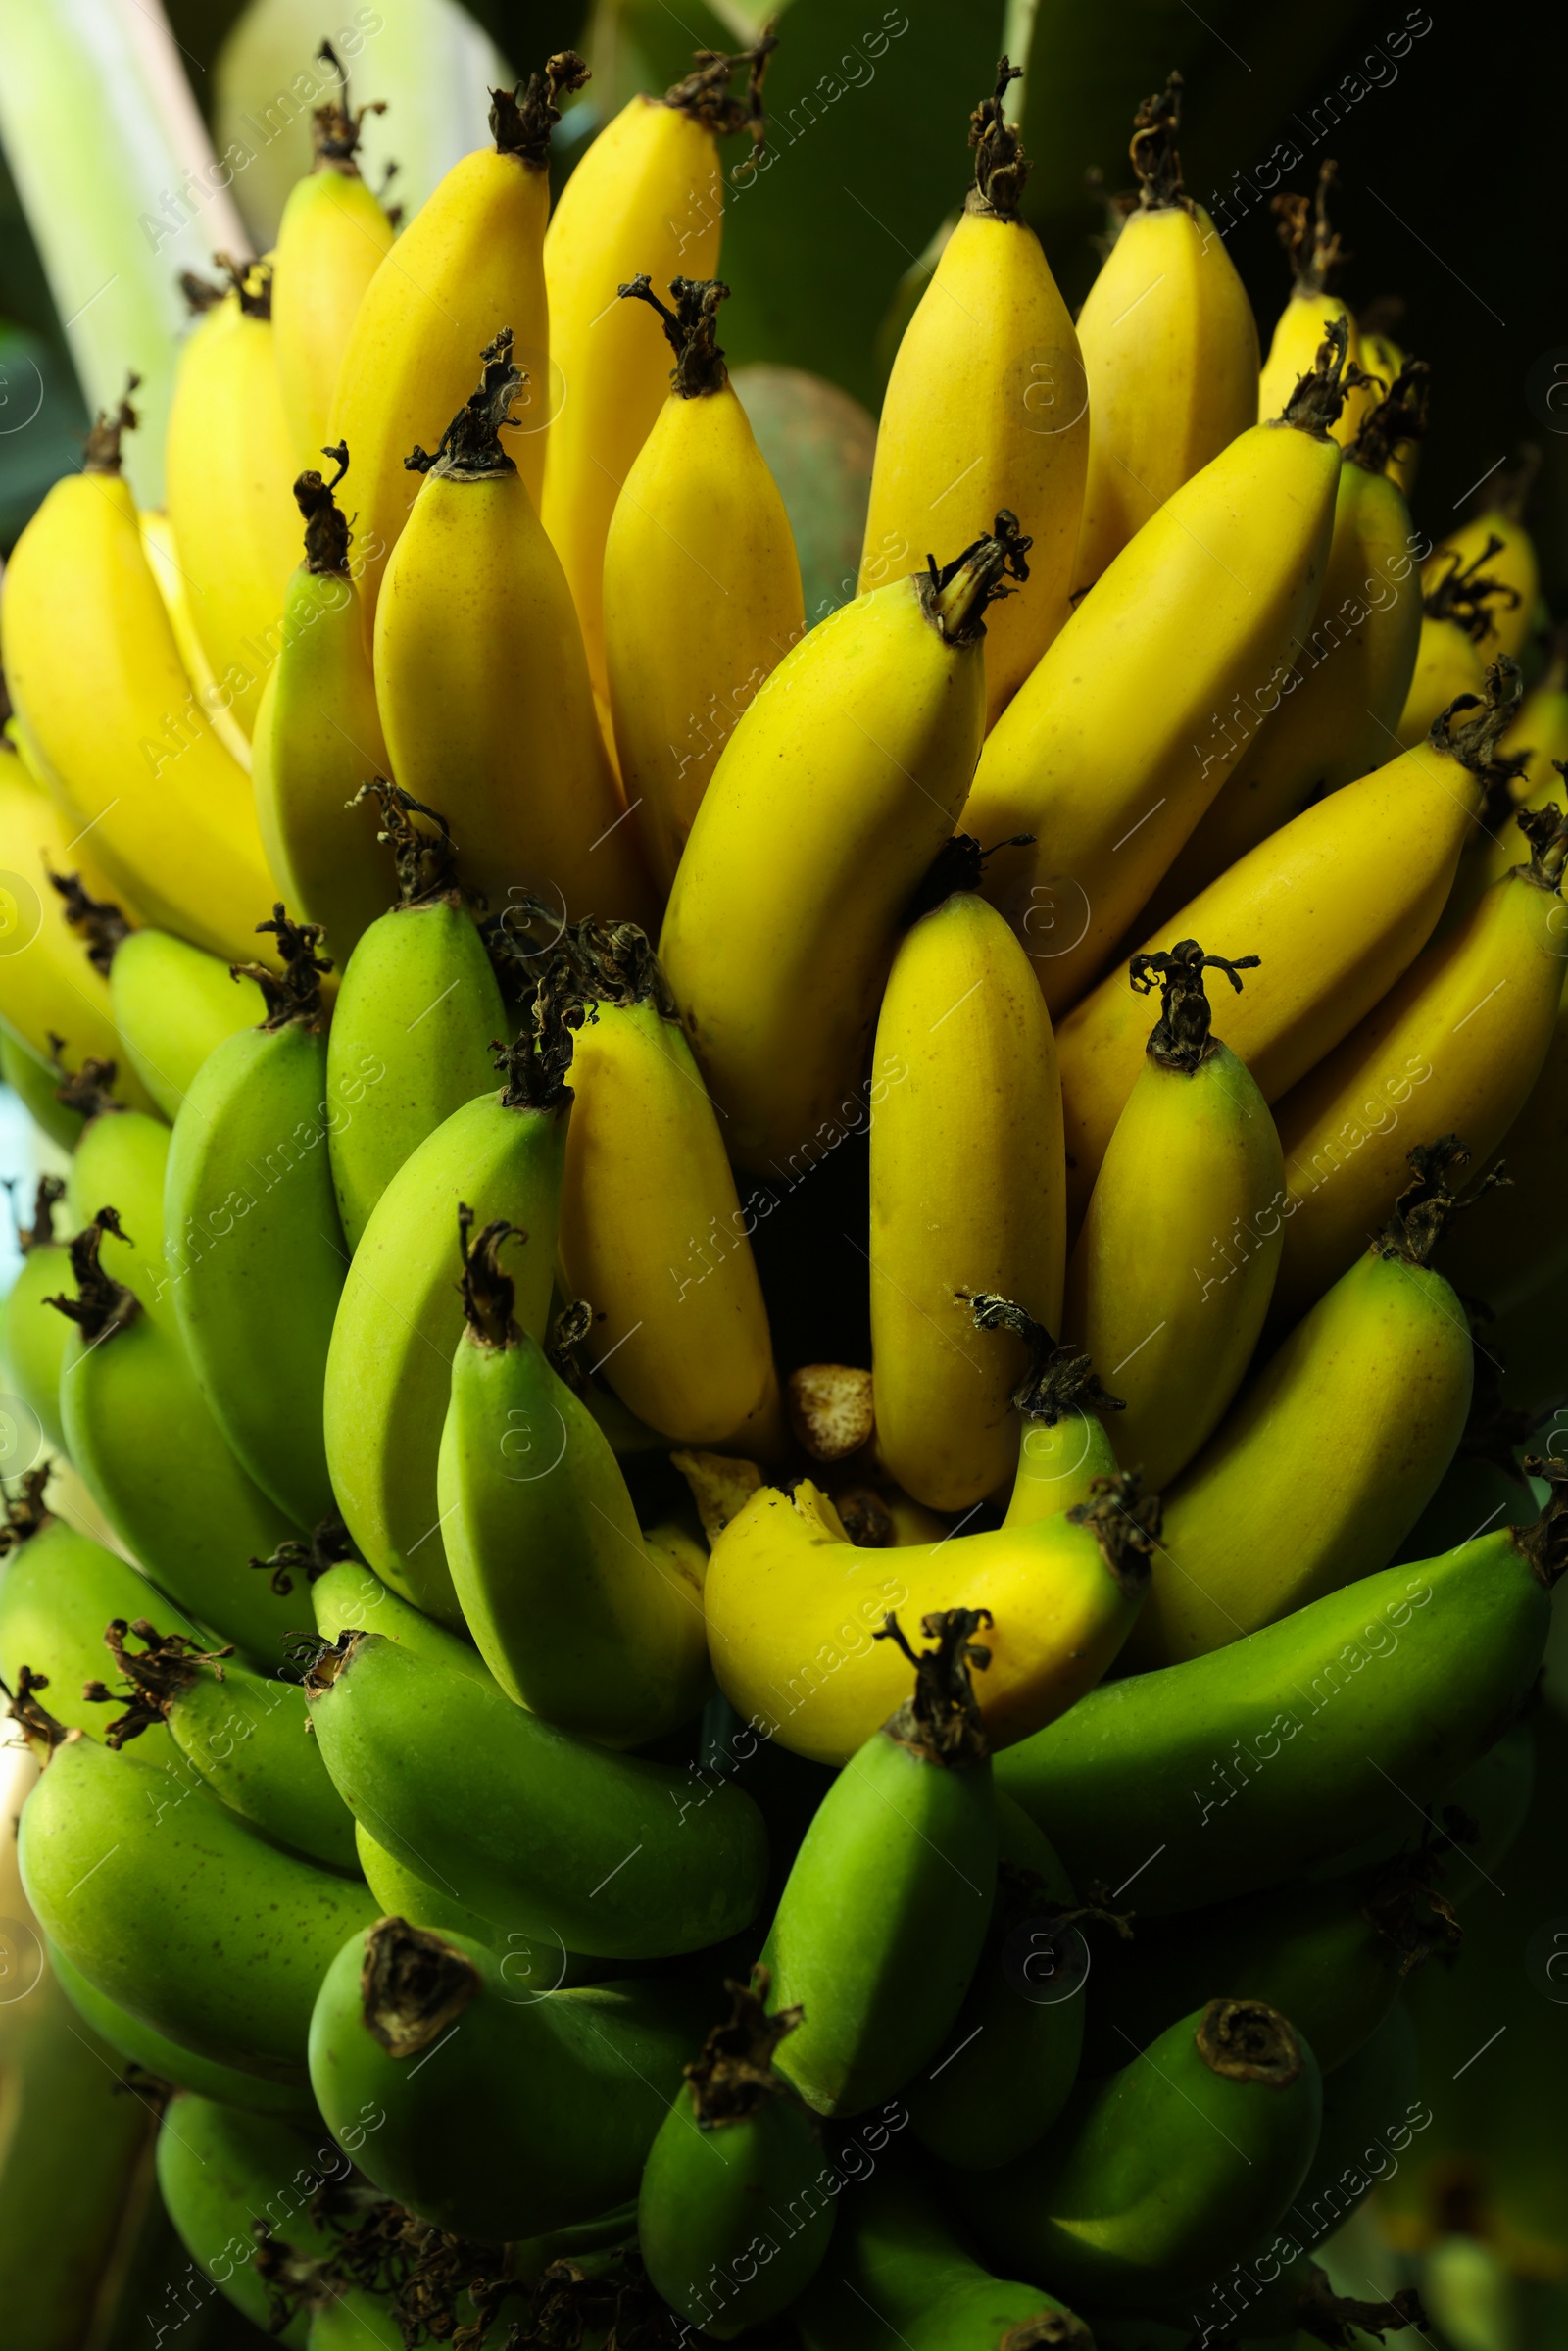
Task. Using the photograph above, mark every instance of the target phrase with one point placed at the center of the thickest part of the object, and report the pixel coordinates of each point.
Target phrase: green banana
(1466, 1833)
(122, 1164)
(58, 1590)
(400, 1892)
(416, 1016)
(884, 1914)
(1006, 2068)
(169, 2061)
(389, 1371)
(1238, 1770)
(238, 2188)
(32, 1343)
(896, 2275)
(577, 1617)
(244, 1733)
(536, 1830)
(1376, 1379)
(1064, 1445)
(1127, 2207)
(36, 1083)
(169, 1906)
(350, 1598)
(507, 2114)
(138, 1429)
(1333, 1954)
(737, 2148)
(253, 1230)
(173, 1003)
(352, 2319)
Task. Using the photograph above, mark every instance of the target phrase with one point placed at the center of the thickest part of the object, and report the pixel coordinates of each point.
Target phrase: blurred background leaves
(1444, 154)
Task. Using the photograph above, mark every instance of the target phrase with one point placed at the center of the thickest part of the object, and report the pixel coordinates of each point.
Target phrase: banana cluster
(444, 957)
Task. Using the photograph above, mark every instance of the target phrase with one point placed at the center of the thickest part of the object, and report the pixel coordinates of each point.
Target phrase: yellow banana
(969, 1193)
(795, 1613)
(1349, 683)
(158, 546)
(318, 735)
(108, 716)
(1460, 613)
(1170, 348)
(1336, 904)
(1382, 356)
(702, 586)
(1332, 1454)
(1312, 248)
(173, 1004)
(481, 685)
(1174, 1269)
(1469, 1026)
(987, 408)
(1509, 1257)
(58, 932)
(1496, 540)
(229, 463)
(653, 1235)
(835, 793)
(333, 237)
(647, 200)
(1129, 726)
(469, 263)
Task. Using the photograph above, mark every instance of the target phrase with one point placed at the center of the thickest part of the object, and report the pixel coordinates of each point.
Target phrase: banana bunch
(704, 1512)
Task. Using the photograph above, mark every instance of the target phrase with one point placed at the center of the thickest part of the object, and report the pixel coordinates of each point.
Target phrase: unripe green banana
(206, 2077)
(1238, 1770)
(1064, 1445)
(58, 1590)
(1478, 1819)
(737, 2148)
(35, 1083)
(170, 1907)
(354, 2320)
(227, 2178)
(897, 2254)
(1126, 2206)
(350, 1598)
(246, 1734)
(32, 1341)
(536, 1831)
(401, 1892)
(416, 1018)
(253, 1235)
(884, 1915)
(389, 1372)
(173, 1003)
(1005, 2072)
(158, 1465)
(507, 2113)
(122, 1164)
(1334, 1954)
(577, 1617)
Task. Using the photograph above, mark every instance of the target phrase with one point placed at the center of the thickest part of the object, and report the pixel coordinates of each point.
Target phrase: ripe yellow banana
(653, 1235)
(987, 408)
(1312, 248)
(108, 716)
(702, 586)
(1347, 685)
(158, 546)
(470, 262)
(796, 1615)
(1126, 731)
(318, 735)
(968, 1194)
(1170, 348)
(1336, 904)
(1462, 605)
(59, 933)
(834, 794)
(1332, 1454)
(482, 684)
(1469, 1024)
(1173, 1271)
(647, 200)
(333, 237)
(229, 463)
(1497, 541)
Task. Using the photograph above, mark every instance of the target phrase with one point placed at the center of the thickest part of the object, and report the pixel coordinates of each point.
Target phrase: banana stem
(954, 598)
(1400, 418)
(1428, 1206)
(690, 330)
(704, 95)
(941, 1722)
(488, 1292)
(99, 920)
(292, 997)
(1001, 165)
(1125, 1522)
(102, 1306)
(1155, 158)
(1060, 1381)
(522, 117)
(1314, 247)
(735, 2072)
(1181, 1038)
